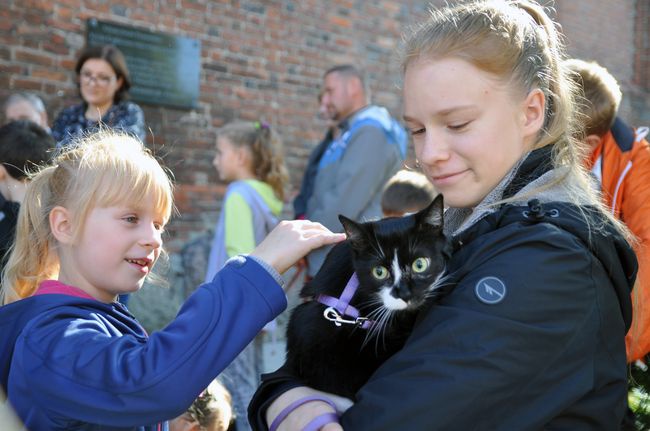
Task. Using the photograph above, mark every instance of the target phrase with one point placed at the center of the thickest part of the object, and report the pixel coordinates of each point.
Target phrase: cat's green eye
(420, 264)
(380, 273)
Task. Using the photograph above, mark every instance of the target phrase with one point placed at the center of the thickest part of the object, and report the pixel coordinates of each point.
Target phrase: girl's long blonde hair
(266, 149)
(99, 170)
(516, 41)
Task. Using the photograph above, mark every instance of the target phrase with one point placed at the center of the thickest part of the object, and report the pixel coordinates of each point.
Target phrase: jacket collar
(529, 169)
(344, 124)
(537, 163)
(48, 287)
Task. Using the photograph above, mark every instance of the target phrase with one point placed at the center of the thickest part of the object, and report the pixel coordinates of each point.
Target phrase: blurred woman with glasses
(103, 82)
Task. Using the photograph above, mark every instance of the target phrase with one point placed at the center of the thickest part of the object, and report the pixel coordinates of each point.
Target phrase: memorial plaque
(164, 68)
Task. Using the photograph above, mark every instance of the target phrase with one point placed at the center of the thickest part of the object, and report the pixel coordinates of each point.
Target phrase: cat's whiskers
(373, 303)
(382, 317)
(376, 316)
(385, 323)
(412, 243)
(370, 334)
(439, 282)
(375, 246)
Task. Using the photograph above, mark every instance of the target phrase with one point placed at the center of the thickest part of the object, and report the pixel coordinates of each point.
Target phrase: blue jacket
(70, 363)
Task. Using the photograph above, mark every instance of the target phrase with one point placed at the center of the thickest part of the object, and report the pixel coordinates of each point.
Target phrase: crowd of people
(547, 195)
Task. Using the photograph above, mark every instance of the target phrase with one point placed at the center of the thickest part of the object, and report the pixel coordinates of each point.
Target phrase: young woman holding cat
(532, 334)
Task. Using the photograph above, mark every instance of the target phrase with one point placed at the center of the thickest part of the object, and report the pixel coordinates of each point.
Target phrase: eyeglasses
(100, 80)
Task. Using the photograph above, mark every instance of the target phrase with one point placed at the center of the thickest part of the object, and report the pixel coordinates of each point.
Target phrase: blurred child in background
(24, 145)
(406, 192)
(250, 159)
(619, 157)
(210, 411)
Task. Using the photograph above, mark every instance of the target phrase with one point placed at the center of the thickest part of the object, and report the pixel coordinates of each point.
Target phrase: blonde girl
(91, 228)
(531, 335)
(249, 158)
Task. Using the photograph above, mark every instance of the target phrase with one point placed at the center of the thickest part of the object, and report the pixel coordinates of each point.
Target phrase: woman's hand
(291, 240)
(302, 415)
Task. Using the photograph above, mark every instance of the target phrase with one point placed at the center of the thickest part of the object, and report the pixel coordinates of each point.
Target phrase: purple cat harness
(336, 311)
(315, 424)
(338, 308)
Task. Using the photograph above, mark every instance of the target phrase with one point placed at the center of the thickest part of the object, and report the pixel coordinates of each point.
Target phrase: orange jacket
(624, 161)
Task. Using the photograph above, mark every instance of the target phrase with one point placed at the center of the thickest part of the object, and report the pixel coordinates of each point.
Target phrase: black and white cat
(334, 344)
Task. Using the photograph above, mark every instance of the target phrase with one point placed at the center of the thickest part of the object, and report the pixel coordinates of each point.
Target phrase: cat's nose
(403, 293)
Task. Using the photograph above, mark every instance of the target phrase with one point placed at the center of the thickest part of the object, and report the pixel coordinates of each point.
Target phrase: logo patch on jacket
(490, 290)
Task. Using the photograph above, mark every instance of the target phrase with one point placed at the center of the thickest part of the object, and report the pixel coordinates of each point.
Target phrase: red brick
(194, 5)
(12, 69)
(50, 74)
(66, 25)
(340, 21)
(25, 84)
(39, 58)
(68, 64)
(71, 3)
(6, 25)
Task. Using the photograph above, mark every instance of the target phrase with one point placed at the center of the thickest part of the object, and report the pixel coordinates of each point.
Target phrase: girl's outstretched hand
(291, 240)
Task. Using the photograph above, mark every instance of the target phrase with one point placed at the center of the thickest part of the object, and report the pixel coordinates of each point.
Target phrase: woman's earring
(417, 163)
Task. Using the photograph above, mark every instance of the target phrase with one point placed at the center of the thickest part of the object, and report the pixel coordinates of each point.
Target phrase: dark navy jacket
(530, 337)
(70, 363)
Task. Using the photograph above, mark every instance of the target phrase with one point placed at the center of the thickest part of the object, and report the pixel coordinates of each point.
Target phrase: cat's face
(399, 260)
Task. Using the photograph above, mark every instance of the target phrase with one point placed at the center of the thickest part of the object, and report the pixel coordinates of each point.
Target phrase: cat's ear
(353, 230)
(433, 214)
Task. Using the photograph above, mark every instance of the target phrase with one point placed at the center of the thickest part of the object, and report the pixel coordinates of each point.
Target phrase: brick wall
(264, 59)
(616, 35)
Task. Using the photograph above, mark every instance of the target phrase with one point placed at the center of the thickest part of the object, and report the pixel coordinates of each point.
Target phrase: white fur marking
(389, 301)
(397, 273)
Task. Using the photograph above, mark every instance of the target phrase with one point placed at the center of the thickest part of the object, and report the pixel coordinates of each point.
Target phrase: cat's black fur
(340, 359)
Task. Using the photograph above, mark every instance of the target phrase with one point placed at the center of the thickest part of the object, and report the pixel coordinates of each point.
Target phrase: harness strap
(294, 405)
(338, 307)
(320, 421)
(342, 304)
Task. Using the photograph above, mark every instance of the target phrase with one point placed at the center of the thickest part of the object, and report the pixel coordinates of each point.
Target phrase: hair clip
(261, 125)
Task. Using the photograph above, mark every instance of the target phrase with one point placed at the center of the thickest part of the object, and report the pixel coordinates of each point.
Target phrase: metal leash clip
(332, 315)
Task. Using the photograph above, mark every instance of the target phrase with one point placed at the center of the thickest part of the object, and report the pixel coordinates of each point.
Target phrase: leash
(315, 424)
(338, 308)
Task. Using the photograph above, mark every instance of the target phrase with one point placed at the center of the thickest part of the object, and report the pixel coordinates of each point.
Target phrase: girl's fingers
(292, 240)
